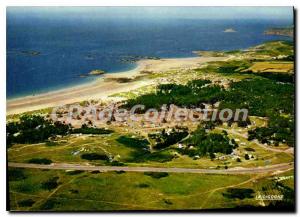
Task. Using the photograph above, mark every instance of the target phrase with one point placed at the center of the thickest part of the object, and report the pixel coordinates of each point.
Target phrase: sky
(158, 12)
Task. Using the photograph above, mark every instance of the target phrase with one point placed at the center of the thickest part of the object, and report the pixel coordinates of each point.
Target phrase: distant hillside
(285, 31)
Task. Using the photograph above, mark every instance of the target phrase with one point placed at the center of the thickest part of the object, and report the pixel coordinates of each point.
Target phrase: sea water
(49, 53)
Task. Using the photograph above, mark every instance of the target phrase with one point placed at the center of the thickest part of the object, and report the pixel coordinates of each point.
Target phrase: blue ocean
(49, 53)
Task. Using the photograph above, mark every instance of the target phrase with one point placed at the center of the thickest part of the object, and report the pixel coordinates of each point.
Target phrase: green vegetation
(51, 183)
(40, 161)
(16, 174)
(233, 66)
(156, 175)
(192, 94)
(50, 143)
(141, 152)
(275, 48)
(164, 139)
(75, 172)
(261, 96)
(143, 185)
(247, 157)
(265, 98)
(26, 203)
(49, 204)
(280, 129)
(280, 77)
(140, 156)
(238, 193)
(133, 142)
(203, 143)
(94, 156)
(258, 80)
(33, 129)
(178, 191)
(91, 130)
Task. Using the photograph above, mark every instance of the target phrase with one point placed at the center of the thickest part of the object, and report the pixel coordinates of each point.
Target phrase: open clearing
(129, 190)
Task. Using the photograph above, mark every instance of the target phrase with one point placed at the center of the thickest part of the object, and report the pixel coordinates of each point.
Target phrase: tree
(247, 157)
(212, 156)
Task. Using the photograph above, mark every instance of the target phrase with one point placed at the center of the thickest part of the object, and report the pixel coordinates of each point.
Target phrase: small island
(96, 72)
(93, 73)
(30, 52)
(229, 30)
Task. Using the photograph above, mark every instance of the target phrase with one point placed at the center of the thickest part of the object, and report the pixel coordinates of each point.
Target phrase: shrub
(26, 203)
(40, 161)
(49, 204)
(156, 175)
(116, 163)
(75, 172)
(16, 174)
(51, 183)
(239, 193)
(94, 156)
(247, 157)
(120, 172)
(74, 191)
(143, 185)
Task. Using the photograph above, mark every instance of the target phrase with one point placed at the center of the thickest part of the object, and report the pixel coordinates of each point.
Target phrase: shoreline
(102, 87)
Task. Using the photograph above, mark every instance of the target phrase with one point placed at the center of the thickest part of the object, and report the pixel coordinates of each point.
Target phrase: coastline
(102, 87)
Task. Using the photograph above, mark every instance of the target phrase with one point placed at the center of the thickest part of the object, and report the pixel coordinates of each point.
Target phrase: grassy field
(70, 149)
(279, 67)
(127, 191)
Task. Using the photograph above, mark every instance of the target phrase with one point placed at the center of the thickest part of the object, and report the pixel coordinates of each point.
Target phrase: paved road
(65, 166)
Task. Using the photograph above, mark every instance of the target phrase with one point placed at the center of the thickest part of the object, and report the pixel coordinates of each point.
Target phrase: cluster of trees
(193, 93)
(265, 98)
(34, 129)
(280, 129)
(262, 97)
(280, 77)
(91, 130)
(208, 143)
(167, 138)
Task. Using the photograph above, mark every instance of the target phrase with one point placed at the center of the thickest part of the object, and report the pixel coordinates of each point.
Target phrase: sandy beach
(104, 86)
